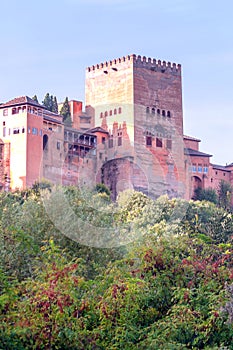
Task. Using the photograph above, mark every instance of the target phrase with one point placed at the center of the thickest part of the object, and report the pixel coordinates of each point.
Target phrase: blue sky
(46, 46)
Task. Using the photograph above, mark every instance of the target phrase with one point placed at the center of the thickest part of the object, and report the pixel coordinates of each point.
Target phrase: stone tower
(139, 101)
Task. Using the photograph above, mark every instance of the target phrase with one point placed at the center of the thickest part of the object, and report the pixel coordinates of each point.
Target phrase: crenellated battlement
(139, 62)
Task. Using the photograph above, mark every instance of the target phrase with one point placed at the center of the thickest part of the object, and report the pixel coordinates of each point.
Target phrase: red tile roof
(21, 100)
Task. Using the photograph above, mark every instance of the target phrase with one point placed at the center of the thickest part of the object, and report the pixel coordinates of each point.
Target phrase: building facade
(129, 136)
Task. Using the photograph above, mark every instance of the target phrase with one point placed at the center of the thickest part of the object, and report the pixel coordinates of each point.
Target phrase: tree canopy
(171, 287)
(65, 112)
(50, 103)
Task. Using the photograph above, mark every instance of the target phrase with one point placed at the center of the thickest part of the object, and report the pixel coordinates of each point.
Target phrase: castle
(129, 136)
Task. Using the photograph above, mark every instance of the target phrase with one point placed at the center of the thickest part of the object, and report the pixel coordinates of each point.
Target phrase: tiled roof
(97, 129)
(21, 100)
(220, 167)
(191, 138)
(192, 152)
(46, 117)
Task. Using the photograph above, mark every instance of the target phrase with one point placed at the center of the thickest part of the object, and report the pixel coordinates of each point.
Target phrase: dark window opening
(45, 142)
(168, 114)
(149, 141)
(119, 110)
(159, 142)
(158, 111)
(103, 140)
(115, 111)
(163, 113)
(153, 111)
(119, 141)
(110, 113)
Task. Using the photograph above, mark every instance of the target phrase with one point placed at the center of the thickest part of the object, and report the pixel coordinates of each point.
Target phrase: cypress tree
(55, 105)
(65, 112)
(35, 98)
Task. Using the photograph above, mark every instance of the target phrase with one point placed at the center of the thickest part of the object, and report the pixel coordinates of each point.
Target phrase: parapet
(139, 62)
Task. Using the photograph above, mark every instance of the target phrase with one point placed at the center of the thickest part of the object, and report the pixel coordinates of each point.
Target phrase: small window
(119, 110)
(101, 115)
(103, 140)
(119, 141)
(147, 110)
(159, 142)
(34, 131)
(158, 111)
(110, 112)
(194, 168)
(168, 114)
(216, 173)
(153, 111)
(149, 141)
(5, 112)
(110, 143)
(163, 113)
(224, 174)
(205, 169)
(3, 123)
(4, 132)
(45, 142)
(23, 130)
(115, 111)
(199, 169)
(58, 145)
(16, 131)
(169, 144)
(105, 113)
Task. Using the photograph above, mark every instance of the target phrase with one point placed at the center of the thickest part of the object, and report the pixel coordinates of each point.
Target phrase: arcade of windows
(115, 111)
(158, 112)
(200, 168)
(160, 142)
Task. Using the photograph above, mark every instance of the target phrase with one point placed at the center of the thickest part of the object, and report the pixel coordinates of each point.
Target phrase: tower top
(139, 62)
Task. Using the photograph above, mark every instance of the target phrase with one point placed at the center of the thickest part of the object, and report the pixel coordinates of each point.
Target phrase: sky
(46, 46)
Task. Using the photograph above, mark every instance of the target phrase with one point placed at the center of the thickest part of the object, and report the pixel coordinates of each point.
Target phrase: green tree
(50, 103)
(225, 194)
(208, 194)
(65, 112)
(35, 98)
(54, 105)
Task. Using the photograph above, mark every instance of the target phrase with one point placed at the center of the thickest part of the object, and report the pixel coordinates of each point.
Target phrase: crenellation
(141, 61)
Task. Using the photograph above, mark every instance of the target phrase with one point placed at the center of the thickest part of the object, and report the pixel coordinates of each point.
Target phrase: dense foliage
(65, 113)
(170, 287)
(50, 103)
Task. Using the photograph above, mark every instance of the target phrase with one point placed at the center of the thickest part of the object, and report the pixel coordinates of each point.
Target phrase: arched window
(110, 112)
(115, 111)
(105, 113)
(153, 111)
(163, 113)
(168, 114)
(45, 142)
(158, 111)
(119, 110)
